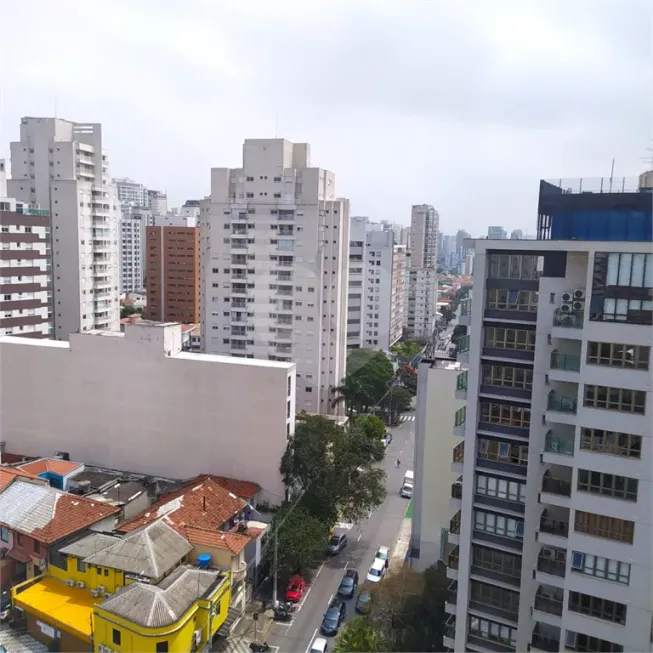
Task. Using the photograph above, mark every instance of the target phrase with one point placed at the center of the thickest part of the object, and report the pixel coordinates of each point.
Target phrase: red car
(295, 589)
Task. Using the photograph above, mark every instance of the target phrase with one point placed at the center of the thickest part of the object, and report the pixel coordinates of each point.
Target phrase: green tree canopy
(397, 401)
(358, 635)
(369, 374)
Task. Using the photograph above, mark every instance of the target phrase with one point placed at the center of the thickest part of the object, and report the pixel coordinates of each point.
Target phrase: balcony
(562, 404)
(458, 458)
(460, 418)
(553, 483)
(553, 561)
(556, 523)
(545, 638)
(566, 362)
(568, 320)
(549, 599)
(457, 489)
(454, 524)
(461, 386)
(450, 629)
(452, 598)
(453, 559)
(465, 316)
(462, 349)
(563, 445)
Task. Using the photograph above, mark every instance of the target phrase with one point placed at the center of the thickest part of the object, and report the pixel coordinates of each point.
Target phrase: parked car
(363, 602)
(348, 584)
(336, 544)
(5, 605)
(319, 645)
(387, 439)
(295, 589)
(376, 572)
(333, 617)
(383, 553)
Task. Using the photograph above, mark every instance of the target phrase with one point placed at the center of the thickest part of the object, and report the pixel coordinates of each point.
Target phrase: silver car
(336, 544)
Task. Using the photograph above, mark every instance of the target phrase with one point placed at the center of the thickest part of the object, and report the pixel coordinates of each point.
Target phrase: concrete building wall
(356, 299)
(136, 401)
(421, 302)
(274, 260)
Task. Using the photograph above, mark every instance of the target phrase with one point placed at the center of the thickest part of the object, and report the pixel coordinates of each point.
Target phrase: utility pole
(275, 580)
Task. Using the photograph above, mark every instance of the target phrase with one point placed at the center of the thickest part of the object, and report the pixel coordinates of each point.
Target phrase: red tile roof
(8, 474)
(202, 504)
(54, 465)
(72, 514)
(243, 489)
(234, 542)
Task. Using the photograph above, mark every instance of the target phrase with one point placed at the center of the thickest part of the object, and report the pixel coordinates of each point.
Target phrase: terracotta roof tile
(54, 465)
(8, 474)
(234, 542)
(202, 504)
(243, 489)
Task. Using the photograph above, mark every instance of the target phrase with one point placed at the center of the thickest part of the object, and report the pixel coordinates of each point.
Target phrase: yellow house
(179, 615)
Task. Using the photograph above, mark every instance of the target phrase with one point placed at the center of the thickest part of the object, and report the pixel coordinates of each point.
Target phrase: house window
(106, 572)
(81, 566)
(4, 534)
(116, 637)
(58, 560)
(162, 647)
(19, 538)
(490, 522)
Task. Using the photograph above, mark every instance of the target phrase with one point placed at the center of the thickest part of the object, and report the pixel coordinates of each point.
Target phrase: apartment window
(512, 300)
(500, 338)
(513, 266)
(609, 485)
(500, 488)
(503, 563)
(610, 528)
(587, 644)
(617, 355)
(507, 377)
(116, 637)
(598, 607)
(591, 565)
(506, 452)
(492, 631)
(499, 598)
(489, 522)
(621, 399)
(610, 442)
(505, 414)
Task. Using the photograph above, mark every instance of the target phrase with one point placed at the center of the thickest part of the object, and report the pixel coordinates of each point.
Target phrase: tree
(358, 635)
(335, 469)
(355, 393)
(126, 311)
(368, 378)
(458, 332)
(447, 314)
(301, 540)
(397, 401)
(408, 377)
(406, 350)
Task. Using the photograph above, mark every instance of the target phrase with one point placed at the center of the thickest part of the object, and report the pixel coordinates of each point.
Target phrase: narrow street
(380, 529)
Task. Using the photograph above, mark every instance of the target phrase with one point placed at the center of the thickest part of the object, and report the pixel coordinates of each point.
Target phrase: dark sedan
(333, 617)
(348, 584)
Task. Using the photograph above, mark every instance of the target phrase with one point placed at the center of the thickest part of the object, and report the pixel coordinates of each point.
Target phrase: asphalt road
(380, 529)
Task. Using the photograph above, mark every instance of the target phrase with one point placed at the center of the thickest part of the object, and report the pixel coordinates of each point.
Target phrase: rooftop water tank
(203, 560)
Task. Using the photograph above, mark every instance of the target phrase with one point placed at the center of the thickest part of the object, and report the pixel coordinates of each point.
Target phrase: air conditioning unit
(566, 297)
(101, 589)
(108, 595)
(578, 305)
(95, 594)
(566, 307)
(70, 582)
(197, 636)
(579, 294)
(81, 584)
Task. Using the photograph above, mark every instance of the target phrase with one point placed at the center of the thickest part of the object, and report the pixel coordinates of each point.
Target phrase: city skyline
(467, 135)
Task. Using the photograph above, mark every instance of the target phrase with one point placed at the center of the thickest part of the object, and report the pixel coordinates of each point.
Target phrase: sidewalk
(402, 545)
(248, 629)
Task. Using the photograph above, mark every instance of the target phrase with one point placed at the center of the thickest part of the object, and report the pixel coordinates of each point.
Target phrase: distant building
(424, 228)
(173, 277)
(132, 247)
(497, 233)
(516, 234)
(131, 192)
(157, 202)
(420, 311)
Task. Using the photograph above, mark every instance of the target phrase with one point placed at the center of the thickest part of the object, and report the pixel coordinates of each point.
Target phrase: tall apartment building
(497, 233)
(398, 295)
(424, 228)
(157, 202)
(357, 276)
(274, 256)
(173, 274)
(61, 165)
(461, 247)
(131, 192)
(133, 223)
(25, 267)
(421, 303)
(551, 536)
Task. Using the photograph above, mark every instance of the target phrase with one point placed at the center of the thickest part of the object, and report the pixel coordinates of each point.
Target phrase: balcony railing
(552, 566)
(453, 558)
(561, 445)
(460, 417)
(450, 627)
(466, 307)
(554, 526)
(571, 320)
(567, 362)
(556, 485)
(562, 404)
(548, 603)
(544, 642)
(457, 489)
(461, 381)
(462, 344)
(459, 453)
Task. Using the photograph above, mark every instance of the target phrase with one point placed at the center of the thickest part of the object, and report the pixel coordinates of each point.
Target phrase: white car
(383, 553)
(376, 572)
(319, 645)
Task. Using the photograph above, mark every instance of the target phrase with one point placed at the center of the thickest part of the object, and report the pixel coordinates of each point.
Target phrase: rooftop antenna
(611, 174)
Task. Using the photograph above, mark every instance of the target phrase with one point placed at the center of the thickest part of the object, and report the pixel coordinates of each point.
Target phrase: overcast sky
(463, 105)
